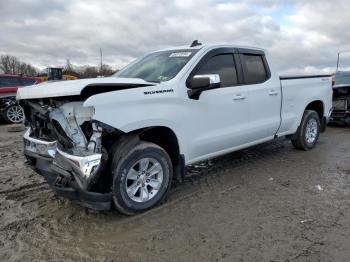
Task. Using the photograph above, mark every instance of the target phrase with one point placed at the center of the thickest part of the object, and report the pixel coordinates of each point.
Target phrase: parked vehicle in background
(55, 74)
(10, 110)
(341, 98)
(119, 141)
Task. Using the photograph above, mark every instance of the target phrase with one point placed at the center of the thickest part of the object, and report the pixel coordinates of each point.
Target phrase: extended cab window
(255, 71)
(224, 66)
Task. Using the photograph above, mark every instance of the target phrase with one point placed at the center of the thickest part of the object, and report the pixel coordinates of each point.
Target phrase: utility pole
(101, 61)
(338, 62)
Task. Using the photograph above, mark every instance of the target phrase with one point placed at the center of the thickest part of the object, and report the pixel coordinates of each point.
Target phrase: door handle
(273, 93)
(239, 97)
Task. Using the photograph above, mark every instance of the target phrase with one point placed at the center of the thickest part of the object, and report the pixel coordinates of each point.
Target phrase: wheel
(141, 178)
(14, 114)
(308, 132)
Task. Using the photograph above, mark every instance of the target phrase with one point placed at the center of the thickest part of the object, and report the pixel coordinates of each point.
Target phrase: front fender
(129, 110)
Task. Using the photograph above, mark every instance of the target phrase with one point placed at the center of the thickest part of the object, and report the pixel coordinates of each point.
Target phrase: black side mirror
(200, 83)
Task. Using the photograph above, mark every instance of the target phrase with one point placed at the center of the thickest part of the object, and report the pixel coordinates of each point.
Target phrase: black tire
(299, 139)
(13, 114)
(125, 159)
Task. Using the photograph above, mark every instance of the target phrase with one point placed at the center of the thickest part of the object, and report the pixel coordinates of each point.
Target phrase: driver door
(222, 114)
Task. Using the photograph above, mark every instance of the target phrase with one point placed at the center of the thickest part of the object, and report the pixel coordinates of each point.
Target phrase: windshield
(158, 67)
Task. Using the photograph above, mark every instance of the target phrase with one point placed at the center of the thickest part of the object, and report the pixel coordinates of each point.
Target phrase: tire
(142, 177)
(14, 114)
(308, 132)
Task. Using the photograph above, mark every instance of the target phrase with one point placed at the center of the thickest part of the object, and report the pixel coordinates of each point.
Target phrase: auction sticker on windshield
(180, 54)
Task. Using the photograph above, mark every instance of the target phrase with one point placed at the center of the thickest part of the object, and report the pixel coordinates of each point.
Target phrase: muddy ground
(267, 203)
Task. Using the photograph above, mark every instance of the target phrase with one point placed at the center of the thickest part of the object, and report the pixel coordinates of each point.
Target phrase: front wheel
(141, 178)
(308, 132)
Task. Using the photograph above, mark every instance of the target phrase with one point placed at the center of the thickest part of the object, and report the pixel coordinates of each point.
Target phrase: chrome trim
(39, 147)
(213, 78)
(83, 168)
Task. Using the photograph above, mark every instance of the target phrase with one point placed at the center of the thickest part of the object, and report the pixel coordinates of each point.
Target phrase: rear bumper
(69, 176)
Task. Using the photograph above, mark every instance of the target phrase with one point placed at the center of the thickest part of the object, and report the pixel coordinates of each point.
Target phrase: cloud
(46, 33)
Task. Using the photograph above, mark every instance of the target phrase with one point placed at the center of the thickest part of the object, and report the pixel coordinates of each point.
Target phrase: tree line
(12, 65)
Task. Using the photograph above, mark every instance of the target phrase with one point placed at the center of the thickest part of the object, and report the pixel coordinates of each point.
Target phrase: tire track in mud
(21, 193)
(23, 188)
(204, 178)
(195, 186)
(41, 226)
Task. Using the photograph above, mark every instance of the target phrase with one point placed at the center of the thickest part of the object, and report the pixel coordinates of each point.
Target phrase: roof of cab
(209, 46)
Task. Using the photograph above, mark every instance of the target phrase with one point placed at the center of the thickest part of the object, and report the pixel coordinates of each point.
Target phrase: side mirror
(205, 82)
(200, 83)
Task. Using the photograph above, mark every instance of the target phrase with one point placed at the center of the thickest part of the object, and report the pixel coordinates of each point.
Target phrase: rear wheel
(141, 178)
(308, 132)
(14, 114)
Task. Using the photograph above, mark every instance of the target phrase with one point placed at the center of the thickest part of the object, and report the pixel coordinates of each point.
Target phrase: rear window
(28, 82)
(9, 82)
(255, 69)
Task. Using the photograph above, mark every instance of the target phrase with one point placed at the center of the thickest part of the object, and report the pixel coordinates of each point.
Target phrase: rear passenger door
(264, 94)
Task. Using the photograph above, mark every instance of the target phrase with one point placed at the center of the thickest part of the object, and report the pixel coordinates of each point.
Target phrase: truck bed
(310, 88)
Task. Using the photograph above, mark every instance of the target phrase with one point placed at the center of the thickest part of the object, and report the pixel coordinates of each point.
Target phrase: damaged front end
(341, 104)
(64, 145)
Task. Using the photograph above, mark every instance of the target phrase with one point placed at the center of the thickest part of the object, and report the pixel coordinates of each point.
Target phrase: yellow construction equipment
(55, 73)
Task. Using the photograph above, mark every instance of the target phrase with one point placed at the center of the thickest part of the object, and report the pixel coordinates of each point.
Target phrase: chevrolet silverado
(120, 141)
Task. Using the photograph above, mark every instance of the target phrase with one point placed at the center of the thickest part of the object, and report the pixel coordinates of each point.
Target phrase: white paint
(213, 125)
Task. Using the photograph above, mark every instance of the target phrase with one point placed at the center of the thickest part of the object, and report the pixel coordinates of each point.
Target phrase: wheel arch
(167, 139)
(164, 137)
(318, 107)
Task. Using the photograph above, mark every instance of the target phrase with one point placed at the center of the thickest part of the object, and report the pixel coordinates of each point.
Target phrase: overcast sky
(303, 36)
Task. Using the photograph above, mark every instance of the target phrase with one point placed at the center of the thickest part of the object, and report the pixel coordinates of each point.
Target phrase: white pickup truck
(120, 141)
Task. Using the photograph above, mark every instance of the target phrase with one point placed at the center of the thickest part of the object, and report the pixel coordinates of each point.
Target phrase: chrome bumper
(38, 148)
(84, 168)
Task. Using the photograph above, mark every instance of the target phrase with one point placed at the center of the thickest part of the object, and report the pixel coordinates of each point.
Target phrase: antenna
(195, 43)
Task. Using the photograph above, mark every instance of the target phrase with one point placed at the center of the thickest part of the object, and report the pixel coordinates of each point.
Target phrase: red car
(10, 110)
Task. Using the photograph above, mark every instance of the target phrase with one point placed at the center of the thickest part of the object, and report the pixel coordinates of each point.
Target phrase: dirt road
(268, 203)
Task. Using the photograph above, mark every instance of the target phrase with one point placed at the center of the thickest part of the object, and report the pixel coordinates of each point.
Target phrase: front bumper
(341, 110)
(69, 175)
(340, 117)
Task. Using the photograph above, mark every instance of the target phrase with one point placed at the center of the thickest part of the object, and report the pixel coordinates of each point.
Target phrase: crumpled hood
(74, 87)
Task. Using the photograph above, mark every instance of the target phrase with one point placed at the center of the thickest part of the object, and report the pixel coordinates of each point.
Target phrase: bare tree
(94, 71)
(89, 72)
(11, 65)
(69, 69)
(107, 70)
(26, 69)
